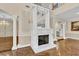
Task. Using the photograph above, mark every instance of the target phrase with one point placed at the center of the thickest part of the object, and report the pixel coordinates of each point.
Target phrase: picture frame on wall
(75, 26)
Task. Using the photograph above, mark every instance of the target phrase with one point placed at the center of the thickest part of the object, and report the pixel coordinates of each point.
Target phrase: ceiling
(4, 14)
(69, 14)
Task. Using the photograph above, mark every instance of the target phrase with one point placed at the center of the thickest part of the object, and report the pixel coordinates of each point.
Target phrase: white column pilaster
(14, 32)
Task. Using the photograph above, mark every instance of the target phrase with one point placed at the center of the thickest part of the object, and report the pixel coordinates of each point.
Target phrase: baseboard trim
(14, 48)
(73, 38)
(22, 46)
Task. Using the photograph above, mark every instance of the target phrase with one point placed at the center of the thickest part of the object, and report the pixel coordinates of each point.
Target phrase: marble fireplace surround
(39, 30)
(34, 42)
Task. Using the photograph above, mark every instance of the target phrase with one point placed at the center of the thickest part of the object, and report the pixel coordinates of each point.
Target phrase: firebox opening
(43, 39)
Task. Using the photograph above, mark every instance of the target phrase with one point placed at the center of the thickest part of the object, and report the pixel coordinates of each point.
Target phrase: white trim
(14, 33)
(14, 48)
(44, 49)
(72, 38)
(22, 46)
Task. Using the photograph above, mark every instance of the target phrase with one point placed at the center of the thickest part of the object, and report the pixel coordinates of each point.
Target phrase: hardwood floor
(68, 47)
(6, 43)
(28, 52)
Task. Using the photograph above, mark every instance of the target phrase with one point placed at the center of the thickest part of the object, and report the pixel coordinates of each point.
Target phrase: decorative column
(14, 32)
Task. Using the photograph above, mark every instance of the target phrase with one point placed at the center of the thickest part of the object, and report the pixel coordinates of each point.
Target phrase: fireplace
(41, 35)
(43, 39)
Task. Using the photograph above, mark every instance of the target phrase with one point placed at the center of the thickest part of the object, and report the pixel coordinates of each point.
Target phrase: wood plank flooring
(6, 43)
(67, 47)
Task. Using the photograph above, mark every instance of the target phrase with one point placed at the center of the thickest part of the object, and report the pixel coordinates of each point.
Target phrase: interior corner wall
(69, 33)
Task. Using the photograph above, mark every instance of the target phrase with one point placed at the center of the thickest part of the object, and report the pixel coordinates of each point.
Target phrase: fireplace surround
(42, 34)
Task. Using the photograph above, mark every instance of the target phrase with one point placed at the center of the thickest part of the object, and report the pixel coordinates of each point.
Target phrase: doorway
(60, 30)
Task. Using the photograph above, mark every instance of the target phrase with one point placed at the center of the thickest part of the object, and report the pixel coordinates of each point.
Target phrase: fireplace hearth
(43, 39)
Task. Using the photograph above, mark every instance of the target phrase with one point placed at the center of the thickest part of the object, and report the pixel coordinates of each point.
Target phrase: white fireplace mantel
(36, 31)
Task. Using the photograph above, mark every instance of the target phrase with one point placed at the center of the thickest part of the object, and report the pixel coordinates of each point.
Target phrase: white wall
(65, 7)
(25, 25)
(69, 33)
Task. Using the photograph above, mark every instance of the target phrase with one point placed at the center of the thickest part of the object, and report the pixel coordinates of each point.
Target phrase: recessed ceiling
(69, 14)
